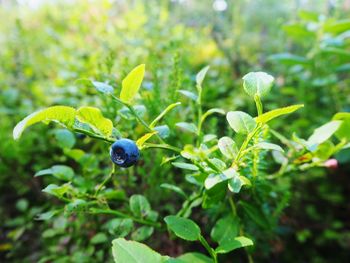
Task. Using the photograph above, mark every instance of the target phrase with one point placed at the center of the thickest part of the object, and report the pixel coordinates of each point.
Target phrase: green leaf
(337, 27)
(235, 184)
(269, 146)
(77, 205)
(65, 138)
(225, 230)
(189, 127)
(183, 227)
(139, 205)
(163, 113)
(61, 114)
(237, 242)
(163, 131)
(214, 179)
(188, 94)
(56, 190)
(142, 233)
(289, 59)
(228, 147)
(125, 251)
(200, 76)
(257, 83)
(99, 238)
(61, 172)
(323, 133)
(191, 257)
(131, 84)
(240, 121)
(343, 130)
(95, 119)
(186, 166)
(174, 188)
(47, 215)
(140, 142)
(120, 227)
(270, 115)
(103, 87)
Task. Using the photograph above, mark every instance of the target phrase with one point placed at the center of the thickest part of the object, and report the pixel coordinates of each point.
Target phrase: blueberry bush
(197, 155)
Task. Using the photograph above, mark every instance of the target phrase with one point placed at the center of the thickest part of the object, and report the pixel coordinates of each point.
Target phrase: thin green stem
(210, 250)
(138, 118)
(110, 175)
(259, 106)
(94, 135)
(245, 144)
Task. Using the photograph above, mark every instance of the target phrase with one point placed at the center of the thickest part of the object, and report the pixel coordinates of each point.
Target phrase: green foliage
(233, 183)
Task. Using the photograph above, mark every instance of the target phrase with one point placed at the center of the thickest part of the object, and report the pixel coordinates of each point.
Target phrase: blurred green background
(47, 46)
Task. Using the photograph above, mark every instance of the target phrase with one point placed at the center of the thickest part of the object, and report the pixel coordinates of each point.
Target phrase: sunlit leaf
(125, 251)
(240, 121)
(61, 114)
(131, 84)
(270, 115)
(257, 83)
(95, 119)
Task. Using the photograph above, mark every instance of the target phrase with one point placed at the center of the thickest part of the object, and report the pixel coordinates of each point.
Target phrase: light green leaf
(163, 131)
(225, 230)
(188, 94)
(186, 166)
(270, 115)
(99, 238)
(125, 251)
(139, 205)
(343, 131)
(145, 138)
(56, 190)
(174, 188)
(164, 112)
(190, 127)
(61, 172)
(237, 242)
(131, 84)
(103, 87)
(214, 179)
(142, 233)
(257, 83)
(120, 227)
(289, 59)
(65, 138)
(95, 119)
(337, 27)
(323, 133)
(61, 114)
(183, 227)
(47, 215)
(235, 184)
(200, 76)
(240, 121)
(269, 146)
(228, 147)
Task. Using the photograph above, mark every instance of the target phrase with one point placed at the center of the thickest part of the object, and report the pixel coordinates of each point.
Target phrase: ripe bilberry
(124, 153)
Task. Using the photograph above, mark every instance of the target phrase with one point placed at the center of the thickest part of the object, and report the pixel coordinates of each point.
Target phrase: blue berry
(124, 153)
